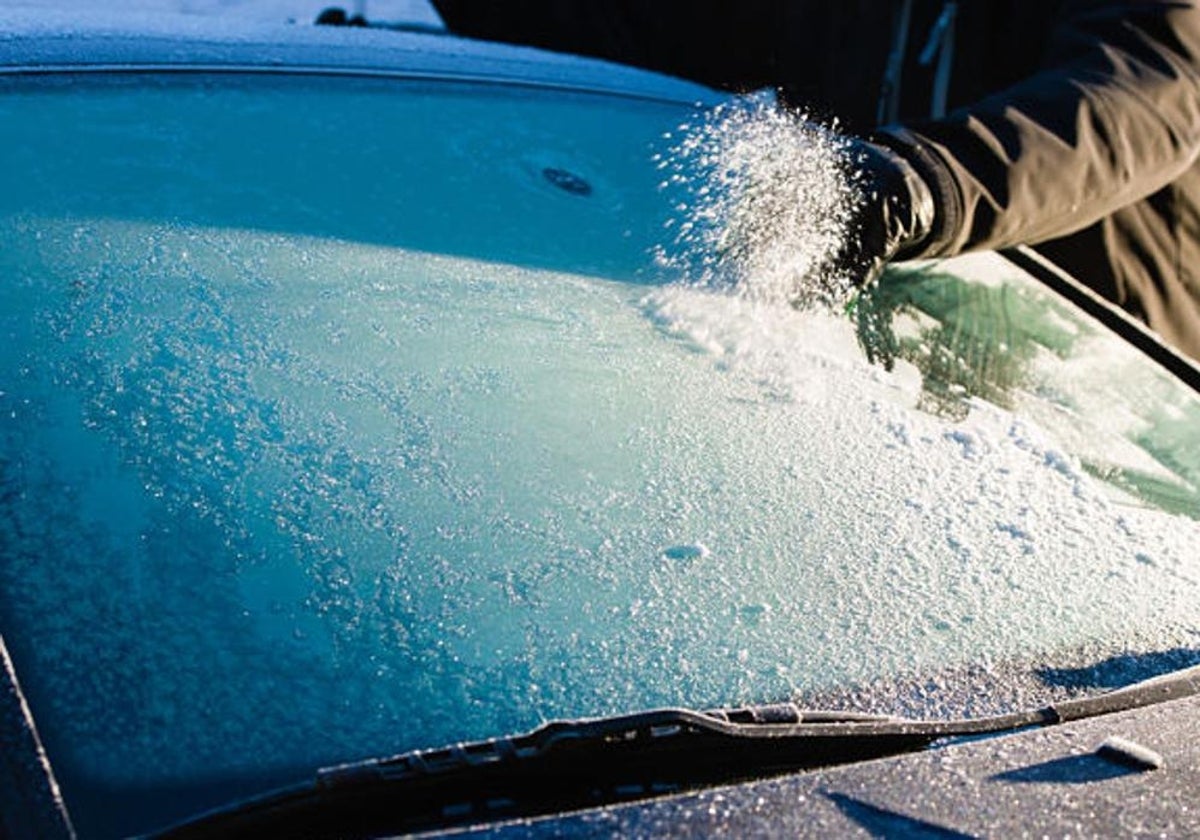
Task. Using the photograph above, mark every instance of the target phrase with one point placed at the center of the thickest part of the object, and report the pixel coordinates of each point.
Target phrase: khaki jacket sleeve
(1112, 117)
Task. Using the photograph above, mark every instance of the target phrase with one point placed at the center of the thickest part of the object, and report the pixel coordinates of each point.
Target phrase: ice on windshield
(436, 498)
(270, 499)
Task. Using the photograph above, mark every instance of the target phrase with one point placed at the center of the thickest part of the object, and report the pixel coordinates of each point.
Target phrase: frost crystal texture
(764, 201)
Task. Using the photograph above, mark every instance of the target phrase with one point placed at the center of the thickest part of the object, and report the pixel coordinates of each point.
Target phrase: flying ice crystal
(765, 200)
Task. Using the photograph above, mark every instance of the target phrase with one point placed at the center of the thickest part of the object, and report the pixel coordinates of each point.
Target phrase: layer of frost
(445, 499)
(282, 488)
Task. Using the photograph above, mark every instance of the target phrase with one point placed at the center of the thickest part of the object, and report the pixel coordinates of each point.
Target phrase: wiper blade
(567, 765)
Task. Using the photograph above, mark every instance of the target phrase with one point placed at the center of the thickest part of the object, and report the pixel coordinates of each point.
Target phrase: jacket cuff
(947, 199)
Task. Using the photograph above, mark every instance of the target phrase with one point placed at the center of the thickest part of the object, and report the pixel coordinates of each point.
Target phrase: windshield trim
(1114, 318)
(322, 70)
(29, 794)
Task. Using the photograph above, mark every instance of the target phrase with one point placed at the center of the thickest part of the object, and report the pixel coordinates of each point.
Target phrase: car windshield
(342, 416)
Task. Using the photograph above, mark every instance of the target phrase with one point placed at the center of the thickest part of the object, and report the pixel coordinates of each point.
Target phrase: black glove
(894, 217)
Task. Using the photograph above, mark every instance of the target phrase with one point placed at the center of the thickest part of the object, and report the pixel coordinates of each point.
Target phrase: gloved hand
(894, 217)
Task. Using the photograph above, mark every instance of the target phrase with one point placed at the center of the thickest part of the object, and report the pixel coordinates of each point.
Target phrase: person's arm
(1113, 117)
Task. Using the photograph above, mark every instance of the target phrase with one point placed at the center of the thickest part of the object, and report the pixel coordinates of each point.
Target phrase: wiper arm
(567, 765)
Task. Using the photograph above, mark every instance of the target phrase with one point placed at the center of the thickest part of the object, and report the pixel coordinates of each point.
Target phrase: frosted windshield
(342, 419)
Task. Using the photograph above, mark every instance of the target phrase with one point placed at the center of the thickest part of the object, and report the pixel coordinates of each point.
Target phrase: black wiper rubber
(567, 765)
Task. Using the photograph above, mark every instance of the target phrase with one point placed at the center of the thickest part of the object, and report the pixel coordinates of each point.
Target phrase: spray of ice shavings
(764, 201)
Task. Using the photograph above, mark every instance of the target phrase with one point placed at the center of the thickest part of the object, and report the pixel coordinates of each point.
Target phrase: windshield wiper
(566, 765)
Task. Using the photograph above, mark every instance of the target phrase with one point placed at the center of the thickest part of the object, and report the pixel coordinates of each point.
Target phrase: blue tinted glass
(344, 418)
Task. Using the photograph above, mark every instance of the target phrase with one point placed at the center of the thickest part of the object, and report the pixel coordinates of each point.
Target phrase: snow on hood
(276, 11)
(35, 39)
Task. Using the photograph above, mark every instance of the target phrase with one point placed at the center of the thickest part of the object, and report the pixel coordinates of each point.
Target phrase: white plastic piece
(1130, 753)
